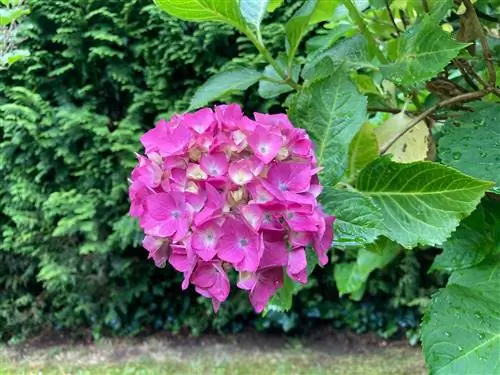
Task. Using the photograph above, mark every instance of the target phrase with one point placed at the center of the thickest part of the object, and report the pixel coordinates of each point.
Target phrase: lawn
(237, 354)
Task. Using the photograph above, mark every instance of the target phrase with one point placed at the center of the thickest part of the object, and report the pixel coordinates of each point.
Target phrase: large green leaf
(351, 277)
(332, 111)
(471, 143)
(424, 50)
(422, 202)
(358, 220)
(253, 11)
(475, 239)
(461, 329)
(362, 150)
(222, 84)
(351, 53)
(226, 11)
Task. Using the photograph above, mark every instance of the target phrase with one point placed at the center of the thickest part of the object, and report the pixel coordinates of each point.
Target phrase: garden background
(99, 74)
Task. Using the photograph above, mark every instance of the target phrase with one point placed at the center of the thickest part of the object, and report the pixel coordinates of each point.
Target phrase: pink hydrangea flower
(218, 193)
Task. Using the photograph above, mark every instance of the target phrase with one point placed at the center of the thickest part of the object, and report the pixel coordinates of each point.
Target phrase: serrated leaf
(226, 11)
(362, 150)
(351, 53)
(461, 329)
(423, 202)
(350, 277)
(222, 84)
(424, 50)
(332, 111)
(358, 220)
(474, 240)
(471, 143)
(412, 146)
(253, 11)
(268, 89)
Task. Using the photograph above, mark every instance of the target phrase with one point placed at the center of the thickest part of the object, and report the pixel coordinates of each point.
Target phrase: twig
(402, 15)
(386, 109)
(425, 3)
(389, 10)
(465, 74)
(484, 43)
(457, 99)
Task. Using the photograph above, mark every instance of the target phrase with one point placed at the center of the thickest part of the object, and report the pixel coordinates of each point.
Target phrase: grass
(155, 356)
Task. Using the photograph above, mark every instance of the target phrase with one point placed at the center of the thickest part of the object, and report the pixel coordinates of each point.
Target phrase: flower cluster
(219, 191)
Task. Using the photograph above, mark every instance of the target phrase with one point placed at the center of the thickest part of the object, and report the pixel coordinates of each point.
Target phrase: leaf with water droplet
(476, 335)
(475, 137)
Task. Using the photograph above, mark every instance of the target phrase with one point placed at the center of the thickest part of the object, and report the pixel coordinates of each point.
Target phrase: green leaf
(424, 50)
(351, 277)
(358, 221)
(222, 84)
(273, 5)
(351, 53)
(253, 11)
(320, 43)
(226, 11)
(422, 202)
(471, 143)
(268, 89)
(461, 329)
(313, 11)
(362, 150)
(332, 111)
(474, 240)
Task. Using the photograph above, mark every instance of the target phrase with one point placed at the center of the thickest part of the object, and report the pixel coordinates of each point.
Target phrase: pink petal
(204, 240)
(246, 280)
(200, 120)
(297, 261)
(214, 164)
(265, 144)
(158, 248)
(240, 173)
(275, 254)
(269, 280)
(253, 215)
(228, 116)
(301, 222)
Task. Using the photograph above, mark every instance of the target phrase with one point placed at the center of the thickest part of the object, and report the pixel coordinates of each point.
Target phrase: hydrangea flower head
(218, 192)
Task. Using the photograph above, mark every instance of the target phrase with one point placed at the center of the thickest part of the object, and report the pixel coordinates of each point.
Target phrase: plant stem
(457, 99)
(389, 10)
(263, 50)
(358, 19)
(484, 42)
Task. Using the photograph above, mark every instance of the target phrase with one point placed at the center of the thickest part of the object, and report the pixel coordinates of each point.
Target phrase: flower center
(282, 186)
(243, 242)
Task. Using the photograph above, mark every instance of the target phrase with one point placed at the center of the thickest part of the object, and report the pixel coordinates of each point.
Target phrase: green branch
(358, 19)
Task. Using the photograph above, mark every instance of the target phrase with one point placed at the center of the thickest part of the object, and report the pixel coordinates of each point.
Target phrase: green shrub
(71, 113)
